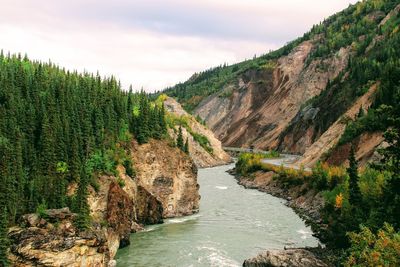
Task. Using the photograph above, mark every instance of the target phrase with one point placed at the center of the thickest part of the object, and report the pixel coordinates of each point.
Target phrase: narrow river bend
(234, 223)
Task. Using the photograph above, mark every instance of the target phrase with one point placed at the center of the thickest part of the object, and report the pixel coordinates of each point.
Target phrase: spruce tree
(143, 131)
(179, 139)
(81, 204)
(186, 147)
(352, 171)
(4, 242)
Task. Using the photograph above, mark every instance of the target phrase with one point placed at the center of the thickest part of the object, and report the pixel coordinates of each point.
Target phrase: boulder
(31, 219)
(148, 209)
(287, 258)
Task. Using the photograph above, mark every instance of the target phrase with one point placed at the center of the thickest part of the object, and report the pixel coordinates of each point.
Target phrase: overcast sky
(154, 43)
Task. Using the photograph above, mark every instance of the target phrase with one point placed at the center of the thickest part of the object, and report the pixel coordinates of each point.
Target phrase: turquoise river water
(233, 224)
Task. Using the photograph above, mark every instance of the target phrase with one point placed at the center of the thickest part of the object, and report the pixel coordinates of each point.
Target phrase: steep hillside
(289, 99)
(204, 148)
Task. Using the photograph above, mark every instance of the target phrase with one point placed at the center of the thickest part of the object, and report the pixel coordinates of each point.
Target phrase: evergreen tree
(179, 139)
(352, 170)
(3, 237)
(391, 162)
(361, 112)
(143, 131)
(81, 204)
(186, 147)
(162, 122)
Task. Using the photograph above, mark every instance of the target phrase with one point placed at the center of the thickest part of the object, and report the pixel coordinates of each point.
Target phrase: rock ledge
(288, 258)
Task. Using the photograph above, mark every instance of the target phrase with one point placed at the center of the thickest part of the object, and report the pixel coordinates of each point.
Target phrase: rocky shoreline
(306, 203)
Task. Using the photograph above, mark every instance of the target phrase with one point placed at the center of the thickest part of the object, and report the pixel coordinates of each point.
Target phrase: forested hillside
(59, 127)
(288, 99)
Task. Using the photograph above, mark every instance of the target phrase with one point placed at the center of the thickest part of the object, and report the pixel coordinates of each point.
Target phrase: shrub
(121, 182)
(130, 171)
(369, 249)
(327, 177)
(101, 161)
(202, 140)
(41, 210)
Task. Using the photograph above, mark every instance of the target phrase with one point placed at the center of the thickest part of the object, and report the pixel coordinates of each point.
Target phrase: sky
(153, 44)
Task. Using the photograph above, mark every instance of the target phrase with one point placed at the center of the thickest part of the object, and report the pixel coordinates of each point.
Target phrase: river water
(233, 224)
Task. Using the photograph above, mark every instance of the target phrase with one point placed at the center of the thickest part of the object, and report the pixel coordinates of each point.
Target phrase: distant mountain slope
(289, 98)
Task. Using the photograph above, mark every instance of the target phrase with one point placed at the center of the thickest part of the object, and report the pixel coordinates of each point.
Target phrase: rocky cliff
(263, 102)
(168, 174)
(204, 155)
(165, 185)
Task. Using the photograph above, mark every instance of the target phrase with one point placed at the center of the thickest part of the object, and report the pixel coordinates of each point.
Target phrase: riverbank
(307, 203)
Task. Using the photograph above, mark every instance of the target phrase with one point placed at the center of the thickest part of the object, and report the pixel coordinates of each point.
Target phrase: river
(233, 224)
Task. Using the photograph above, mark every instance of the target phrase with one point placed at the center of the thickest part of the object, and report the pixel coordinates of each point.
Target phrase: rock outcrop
(149, 210)
(120, 213)
(54, 241)
(169, 175)
(287, 258)
(202, 157)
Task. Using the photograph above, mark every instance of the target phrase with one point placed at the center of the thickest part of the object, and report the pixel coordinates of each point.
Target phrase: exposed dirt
(168, 174)
(330, 137)
(263, 102)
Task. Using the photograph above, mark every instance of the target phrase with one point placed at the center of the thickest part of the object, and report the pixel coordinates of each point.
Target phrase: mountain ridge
(289, 98)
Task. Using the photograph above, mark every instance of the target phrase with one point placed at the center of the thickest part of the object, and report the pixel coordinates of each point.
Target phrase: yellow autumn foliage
(339, 201)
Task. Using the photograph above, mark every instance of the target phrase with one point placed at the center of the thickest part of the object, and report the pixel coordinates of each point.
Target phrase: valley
(291, 158)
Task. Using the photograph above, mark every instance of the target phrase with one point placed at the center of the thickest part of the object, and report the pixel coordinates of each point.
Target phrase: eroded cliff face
(201, 157)
(326, 142)
(165, 186)
(259, 106)
(168, 174)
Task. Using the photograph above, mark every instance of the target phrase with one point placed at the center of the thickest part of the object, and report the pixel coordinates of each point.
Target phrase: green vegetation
(203, 141)
(173, 120)
(129, 168)
(179, 139)
(369, 249)
(250, 162)
(186, 146)
(58, 128)
(3, 236)
(41, 210)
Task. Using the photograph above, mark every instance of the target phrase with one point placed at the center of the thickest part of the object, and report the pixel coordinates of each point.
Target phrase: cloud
(158, 43)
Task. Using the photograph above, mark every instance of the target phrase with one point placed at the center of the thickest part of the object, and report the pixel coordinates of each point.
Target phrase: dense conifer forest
(59, 127)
